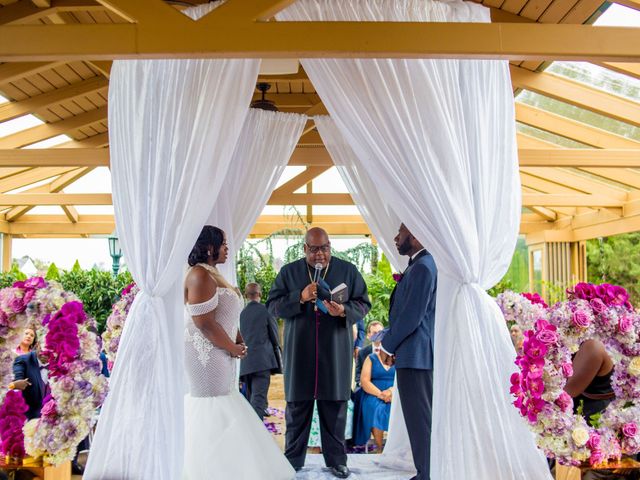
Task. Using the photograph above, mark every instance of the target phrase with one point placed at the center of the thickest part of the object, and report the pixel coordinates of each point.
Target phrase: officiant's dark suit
(27, 367)
(318, 348)
(260, 333)
(410, 340)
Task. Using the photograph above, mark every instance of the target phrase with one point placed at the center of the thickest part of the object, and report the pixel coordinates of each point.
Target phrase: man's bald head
(317, 247)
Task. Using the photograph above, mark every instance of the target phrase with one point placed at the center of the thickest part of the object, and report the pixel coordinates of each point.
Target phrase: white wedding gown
(225, 439)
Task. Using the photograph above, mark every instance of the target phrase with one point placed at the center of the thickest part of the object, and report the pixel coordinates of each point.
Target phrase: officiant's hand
(335, 309)
(387, 359)
(309, 293)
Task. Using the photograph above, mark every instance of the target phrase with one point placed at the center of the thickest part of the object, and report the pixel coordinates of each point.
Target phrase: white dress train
(225, 439)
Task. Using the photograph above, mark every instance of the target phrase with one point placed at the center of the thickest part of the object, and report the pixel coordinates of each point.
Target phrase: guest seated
(28, 341)
(590, 383)
(517, 337)
(373, 328)
(377, 383)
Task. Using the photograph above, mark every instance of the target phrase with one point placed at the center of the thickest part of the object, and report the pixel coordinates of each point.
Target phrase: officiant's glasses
(319, 248)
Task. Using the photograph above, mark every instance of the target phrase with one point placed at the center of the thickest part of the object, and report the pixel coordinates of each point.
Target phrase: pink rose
(580, 319)
(596, 457)
(565, 402)
(17, 305)
(630, 429)
(620, 295)
(49, 409)
(625, 324)
(547, 337)
(567, 370)
(594, 441)
(597, 305)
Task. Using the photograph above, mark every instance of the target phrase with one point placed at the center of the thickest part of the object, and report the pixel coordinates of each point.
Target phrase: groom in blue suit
(408, 343)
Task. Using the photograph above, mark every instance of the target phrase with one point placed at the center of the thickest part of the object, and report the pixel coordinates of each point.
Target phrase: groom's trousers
(416, 393)
(333, 420)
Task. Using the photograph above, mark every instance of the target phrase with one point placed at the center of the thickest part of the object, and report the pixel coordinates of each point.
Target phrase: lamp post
(116, 253)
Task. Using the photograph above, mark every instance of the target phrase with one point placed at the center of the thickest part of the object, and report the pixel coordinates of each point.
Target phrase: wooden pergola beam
(566, 200)
(631, 69)
(49, 130)
(572, 129)
(300, 180)
(35, 199)
(31, 176)
(55, 157)
(579, 157)
(307, 199)
(162, 36)
(577, 94)
(11, 110)
(10, 72)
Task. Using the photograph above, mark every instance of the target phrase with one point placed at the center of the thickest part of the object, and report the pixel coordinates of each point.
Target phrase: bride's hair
(209, 241)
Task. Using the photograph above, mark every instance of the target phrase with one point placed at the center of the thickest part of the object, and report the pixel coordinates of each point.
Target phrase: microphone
(316, 274)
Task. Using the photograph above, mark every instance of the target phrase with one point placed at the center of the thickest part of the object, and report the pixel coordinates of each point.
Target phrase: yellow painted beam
(11, 110)
(631, 69)
(34, 199)
(568, 128)
(56, 229)
(309, 199)
(566, 200)
(31, 176)
(577, 182)
(49, 130)
(300, 180)
(166, 39)
(95, 141)
(55, 157)
(577, 94)
(311, 157)
(6, 252)
(579, 157)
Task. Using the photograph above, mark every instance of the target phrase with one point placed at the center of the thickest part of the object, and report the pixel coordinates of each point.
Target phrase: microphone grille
(318, 266)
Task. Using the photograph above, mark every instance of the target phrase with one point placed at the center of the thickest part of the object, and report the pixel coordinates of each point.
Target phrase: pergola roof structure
(579, 144)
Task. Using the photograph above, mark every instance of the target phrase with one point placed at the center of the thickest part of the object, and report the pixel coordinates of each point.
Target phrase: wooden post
(310, 207)
(6, 252)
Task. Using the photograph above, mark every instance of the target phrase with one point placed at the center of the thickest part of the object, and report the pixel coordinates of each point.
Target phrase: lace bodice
(211, 370)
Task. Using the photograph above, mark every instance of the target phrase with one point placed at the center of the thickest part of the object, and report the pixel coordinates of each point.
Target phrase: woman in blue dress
(376, 381)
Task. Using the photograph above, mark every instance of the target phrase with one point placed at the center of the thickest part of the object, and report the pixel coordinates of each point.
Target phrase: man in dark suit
(409, 344)
(373, 328)
(31, 375)
(260, 333)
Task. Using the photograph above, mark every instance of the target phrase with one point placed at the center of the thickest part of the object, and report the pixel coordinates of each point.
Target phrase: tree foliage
(616, 260)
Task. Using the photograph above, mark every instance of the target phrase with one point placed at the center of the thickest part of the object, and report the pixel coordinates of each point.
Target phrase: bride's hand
(239, 350)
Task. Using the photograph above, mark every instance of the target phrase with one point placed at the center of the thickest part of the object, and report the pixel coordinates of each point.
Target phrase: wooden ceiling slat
(12, 92)
(513, 6)
(493, 3)
(82, 70)
(41, 83)
(96, 99)
(581, 11)
(534, 8)
(83, 17)
(68, 74)
(27, 87)
(54, 79)
(67, 109)
(101, 17)
(630, 69)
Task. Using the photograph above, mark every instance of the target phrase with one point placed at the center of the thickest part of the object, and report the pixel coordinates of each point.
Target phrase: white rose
(634, 367)
(580, 436)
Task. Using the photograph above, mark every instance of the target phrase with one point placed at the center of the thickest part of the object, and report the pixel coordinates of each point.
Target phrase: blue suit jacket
(27, 367)
(412, 315)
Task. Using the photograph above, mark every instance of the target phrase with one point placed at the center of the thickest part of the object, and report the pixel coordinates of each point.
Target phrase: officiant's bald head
(317, 247)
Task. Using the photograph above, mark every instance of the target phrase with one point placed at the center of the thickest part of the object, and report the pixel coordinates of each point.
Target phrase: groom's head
(406, 243)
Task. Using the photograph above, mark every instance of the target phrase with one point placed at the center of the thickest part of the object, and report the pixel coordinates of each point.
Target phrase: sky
(95, 252)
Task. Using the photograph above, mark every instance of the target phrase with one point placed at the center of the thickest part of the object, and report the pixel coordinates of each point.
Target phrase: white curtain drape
(173, 125)
(263, 150)
(380, 218)
(438, 137)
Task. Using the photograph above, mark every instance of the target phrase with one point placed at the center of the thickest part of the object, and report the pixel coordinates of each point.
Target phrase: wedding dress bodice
(211, 370)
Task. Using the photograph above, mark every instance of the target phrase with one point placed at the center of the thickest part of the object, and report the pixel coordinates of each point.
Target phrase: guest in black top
(260, 333)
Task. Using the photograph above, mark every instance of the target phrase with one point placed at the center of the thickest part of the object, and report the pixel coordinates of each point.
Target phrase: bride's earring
(209, 253)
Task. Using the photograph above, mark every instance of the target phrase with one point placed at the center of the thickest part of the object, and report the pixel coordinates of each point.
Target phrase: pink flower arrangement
(116, 321)
(523, 309)
(599, 312)
(12, 419)
(535, 299)
(72, 349)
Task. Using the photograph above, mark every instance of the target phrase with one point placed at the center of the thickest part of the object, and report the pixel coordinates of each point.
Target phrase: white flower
(634, 367)
(580, 436)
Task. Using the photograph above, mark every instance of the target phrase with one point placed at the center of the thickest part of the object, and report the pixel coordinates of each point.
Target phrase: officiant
(318, 346)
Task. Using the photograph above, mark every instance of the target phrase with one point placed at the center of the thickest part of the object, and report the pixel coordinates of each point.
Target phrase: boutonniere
(398, 277)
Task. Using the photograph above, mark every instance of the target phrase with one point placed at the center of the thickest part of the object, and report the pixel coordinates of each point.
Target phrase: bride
(224, 437)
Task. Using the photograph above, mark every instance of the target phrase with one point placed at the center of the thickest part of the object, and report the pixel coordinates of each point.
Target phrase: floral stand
(40, 470)
(577, 473)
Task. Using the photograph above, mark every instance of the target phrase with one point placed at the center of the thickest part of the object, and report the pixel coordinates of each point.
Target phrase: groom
(408, 343)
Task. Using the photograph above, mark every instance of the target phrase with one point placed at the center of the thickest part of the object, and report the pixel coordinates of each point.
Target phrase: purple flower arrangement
(71, 348)
(116, 321)
(601, 312)
(523, 309)
(12, 419)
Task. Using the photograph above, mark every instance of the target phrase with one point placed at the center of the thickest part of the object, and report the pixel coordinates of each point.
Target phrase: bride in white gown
(224, 437)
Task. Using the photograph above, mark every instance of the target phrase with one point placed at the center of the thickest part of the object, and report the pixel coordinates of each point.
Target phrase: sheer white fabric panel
(260, 157)
(173, 125)
(438, 137)
(382, 221)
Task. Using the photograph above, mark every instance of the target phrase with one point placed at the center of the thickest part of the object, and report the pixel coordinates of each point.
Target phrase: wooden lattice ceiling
(62, 78)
